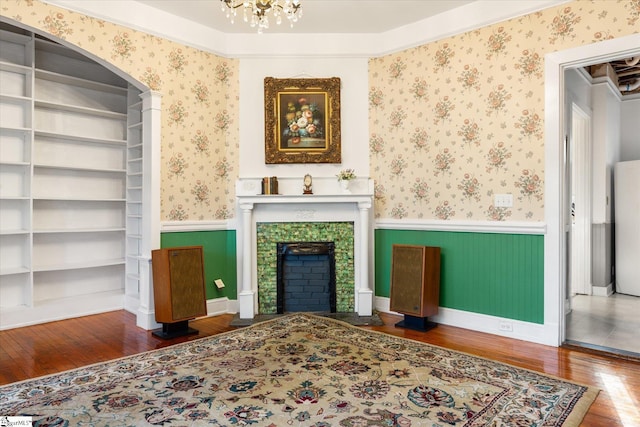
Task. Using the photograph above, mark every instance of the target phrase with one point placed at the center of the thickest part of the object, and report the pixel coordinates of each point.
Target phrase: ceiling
(628, 72)
(319, 16)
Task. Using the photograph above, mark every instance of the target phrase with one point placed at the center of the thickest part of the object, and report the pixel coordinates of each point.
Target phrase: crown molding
(138, 16)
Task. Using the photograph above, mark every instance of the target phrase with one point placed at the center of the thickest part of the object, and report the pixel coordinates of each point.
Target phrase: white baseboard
(526, 331)
(147, 320)
(602, 291)
(64, 308)
(215, 307)
(222, 305)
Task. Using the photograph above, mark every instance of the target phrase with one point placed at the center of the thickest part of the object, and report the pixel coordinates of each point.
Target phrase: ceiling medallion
(257, 12)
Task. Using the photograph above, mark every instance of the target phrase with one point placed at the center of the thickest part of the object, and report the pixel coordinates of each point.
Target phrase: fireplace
(328, 215)
(269, 234)
(306, 273)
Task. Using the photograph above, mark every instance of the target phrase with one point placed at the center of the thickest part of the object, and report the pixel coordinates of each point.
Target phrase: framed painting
(302, 120)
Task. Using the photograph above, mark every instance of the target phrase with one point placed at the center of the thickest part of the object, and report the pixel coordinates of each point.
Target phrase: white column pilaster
(246, 296)
(151, 141)
(365, 293)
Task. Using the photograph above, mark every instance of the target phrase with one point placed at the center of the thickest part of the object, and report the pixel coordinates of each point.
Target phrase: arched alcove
(79, 153)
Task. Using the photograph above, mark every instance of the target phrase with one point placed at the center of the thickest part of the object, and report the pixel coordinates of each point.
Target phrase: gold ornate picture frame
(302, 120)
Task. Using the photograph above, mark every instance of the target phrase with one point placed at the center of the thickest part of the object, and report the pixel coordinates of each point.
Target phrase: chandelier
(257, 12)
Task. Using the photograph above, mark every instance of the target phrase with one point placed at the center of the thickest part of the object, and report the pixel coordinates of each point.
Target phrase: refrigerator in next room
(626, 182)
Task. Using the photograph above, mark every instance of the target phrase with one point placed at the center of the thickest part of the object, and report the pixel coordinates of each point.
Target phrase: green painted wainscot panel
(488, 273)
(219, 252)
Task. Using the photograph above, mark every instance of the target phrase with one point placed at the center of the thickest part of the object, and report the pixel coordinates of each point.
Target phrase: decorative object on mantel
(302, 120)
(270, 185)
(344, 179)
(256, 12)
(308, 182)
(346, 175)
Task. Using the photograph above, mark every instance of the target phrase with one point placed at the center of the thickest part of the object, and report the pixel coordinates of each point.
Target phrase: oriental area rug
(299, 370)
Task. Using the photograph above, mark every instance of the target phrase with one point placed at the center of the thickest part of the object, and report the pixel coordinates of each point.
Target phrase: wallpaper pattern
(454, 122)
(451, 123)
(199, 147)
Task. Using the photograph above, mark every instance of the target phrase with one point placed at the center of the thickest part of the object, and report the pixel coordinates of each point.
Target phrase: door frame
(555, 256)
(580, 193)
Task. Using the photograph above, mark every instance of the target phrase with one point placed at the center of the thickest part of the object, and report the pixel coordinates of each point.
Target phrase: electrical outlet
(503, 200)
(505, 326)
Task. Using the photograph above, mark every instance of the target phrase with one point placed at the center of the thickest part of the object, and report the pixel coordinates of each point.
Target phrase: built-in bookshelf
(133, 210)
(70, 182)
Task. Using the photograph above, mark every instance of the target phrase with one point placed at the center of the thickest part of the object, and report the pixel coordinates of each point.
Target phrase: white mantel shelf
(328, 204)
(323, 187)
(305, 199)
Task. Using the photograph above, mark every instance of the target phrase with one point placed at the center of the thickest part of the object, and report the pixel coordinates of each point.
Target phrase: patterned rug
(299, 370)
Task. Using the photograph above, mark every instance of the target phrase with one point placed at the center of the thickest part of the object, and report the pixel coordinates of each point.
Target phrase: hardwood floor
(54, 347)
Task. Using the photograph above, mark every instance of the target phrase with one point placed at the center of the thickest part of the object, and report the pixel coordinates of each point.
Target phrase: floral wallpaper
(199, 147)
(454, 122)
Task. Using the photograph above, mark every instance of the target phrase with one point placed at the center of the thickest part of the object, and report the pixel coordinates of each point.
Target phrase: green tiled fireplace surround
(270, 233)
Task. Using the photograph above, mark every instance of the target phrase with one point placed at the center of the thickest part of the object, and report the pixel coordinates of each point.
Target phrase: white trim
(139, 16)
(151, 151)
(502, 227)
(631, 97)
(581, 160)
(506, 227)
(219, 306)
(606, 81)
(215, 307)
(181, 226)
(478, 14)
(554, 245)
(64, 308)
(146, 319)
(602, 291)
(527, 331)
(151, 136)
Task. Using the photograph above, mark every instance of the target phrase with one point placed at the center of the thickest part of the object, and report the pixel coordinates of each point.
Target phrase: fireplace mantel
(328, 204)
(306, 199)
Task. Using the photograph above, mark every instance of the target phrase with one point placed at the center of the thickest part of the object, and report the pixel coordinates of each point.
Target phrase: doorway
(580, 196)
(559, 275)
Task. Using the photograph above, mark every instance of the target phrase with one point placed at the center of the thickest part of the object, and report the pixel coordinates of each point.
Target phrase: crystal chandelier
(256, 12)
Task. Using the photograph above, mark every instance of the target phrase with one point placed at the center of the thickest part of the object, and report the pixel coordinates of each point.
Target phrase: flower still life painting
(302, 120)
(303, 124)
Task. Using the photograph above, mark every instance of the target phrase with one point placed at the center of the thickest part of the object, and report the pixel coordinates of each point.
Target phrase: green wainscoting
(488, 273)
(219, 251)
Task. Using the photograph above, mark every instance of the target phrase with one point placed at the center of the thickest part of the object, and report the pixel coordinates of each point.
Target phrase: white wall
(606, 148)
(630, 130)
(578, 87)
(353, 74)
